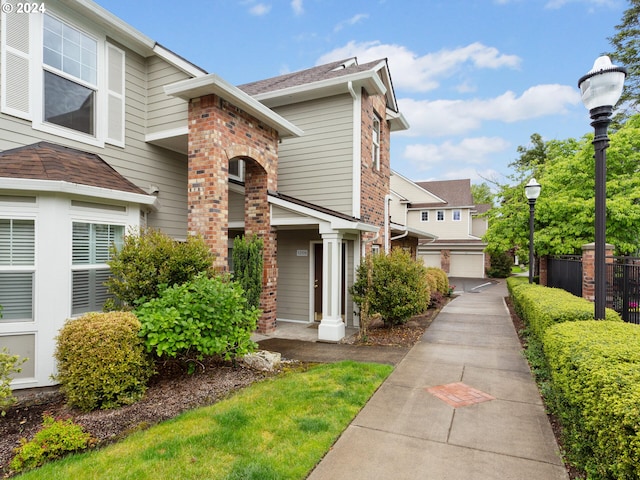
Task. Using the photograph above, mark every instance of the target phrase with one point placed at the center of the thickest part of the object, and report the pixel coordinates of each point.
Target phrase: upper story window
(70, 62)
(440, 215)
(456, 215)
(375, 147)
(424, 216)
(66, 79)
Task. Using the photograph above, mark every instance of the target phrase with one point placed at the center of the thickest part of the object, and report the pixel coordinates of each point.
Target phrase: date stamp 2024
(23, 7)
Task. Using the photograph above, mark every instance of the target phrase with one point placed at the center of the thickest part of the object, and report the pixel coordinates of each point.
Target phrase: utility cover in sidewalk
(459, 395)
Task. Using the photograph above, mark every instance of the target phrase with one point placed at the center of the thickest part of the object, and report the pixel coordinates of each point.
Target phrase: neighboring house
(446, 210)
(102, 130)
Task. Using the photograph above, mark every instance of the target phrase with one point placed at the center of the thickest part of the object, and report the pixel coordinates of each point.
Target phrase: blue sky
(474, 78)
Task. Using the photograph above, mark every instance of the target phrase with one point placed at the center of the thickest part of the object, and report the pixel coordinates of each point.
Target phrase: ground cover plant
(276, 429)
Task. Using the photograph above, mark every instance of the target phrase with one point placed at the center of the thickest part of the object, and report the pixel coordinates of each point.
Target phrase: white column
(332, 326)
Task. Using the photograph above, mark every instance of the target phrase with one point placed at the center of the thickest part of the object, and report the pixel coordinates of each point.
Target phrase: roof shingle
(48, 161)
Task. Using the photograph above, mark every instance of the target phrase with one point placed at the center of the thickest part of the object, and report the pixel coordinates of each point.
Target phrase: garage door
(467, 264)
(431, 259)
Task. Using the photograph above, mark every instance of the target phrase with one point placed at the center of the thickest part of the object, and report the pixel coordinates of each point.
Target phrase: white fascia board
(335, 222)
(124, 32)
(413, 231)
(55, 186)
(212, 84)
(177, 61)
(397, 121)
(332, 86)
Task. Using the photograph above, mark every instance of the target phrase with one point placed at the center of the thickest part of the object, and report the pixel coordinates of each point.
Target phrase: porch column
(332, 326)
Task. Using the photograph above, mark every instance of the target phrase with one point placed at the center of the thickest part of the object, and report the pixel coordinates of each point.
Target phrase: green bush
(54, 440)
(248, 266)
(101, 360)
(501, 263)
(207, 316)
(595, 368)
(442, 280)
(540, 307)
(8, 364)
(150, 261)
(398, 288)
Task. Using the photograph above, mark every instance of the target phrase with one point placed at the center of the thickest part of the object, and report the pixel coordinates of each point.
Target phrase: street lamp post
(601, 89)
(532, 191)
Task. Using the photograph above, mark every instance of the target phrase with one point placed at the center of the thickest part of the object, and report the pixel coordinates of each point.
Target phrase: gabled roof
(343, 76)
(54, 163)
(456, 193)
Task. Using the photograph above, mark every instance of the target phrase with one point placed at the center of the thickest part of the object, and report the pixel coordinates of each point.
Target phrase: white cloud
(475, 151)
(297, 7)
(436, 118)
(260, 9)
(352, 21)
(423, 73)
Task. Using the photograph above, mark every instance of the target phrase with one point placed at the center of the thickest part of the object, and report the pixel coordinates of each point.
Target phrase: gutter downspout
(387, 230)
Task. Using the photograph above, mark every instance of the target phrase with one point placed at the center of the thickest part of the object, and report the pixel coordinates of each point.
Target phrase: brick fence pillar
(445, 260)
(543, 273)
(589, 268)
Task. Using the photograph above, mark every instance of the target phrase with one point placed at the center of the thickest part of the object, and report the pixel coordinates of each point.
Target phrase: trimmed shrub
(501, 263)
(540, 307)
(101, 360)
(149, 261)
(442, 280)
(206, 316)
(397, 290)
(595, 369)
(248, 264)
(8, 364)
(54, 440)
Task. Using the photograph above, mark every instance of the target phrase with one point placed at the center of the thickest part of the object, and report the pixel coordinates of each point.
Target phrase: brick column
(542, 275)
(589, 268)
(445, 260)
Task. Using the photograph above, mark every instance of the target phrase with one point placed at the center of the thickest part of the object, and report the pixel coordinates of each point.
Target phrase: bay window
(17, 269)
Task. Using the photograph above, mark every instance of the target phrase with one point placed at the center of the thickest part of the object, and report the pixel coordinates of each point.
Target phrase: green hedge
(595, 371)
(541, 307)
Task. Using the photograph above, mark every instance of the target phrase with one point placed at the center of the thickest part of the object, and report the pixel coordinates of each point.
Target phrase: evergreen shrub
(101, 360)
(248, 265)
(149, 261)
(398, 288)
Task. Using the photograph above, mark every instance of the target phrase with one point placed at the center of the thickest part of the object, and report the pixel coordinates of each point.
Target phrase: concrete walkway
(460, 405)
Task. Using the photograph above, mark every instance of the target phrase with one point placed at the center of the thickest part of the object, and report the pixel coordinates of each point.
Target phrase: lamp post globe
(532, 191)
(601, 88)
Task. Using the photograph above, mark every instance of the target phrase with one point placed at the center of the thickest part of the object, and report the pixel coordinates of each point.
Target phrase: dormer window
(375, 148)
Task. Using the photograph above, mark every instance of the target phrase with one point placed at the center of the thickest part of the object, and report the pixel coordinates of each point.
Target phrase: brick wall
(219, 132)
(374, 183)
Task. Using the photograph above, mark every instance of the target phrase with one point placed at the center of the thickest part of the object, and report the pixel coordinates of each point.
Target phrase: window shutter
(115, 96)
(17, 242)
(15, 64)
(16, 296)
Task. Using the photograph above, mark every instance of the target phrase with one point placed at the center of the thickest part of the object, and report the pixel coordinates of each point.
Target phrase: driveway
(471, 285)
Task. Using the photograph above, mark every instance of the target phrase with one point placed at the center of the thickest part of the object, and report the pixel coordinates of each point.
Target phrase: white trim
(213, 84)
(357, 151)
(26, 184)
(177, 61)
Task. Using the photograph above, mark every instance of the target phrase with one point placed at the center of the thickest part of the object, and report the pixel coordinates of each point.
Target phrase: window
(66, 80)
(70, 60)
(440, 216)
(424, 216)
(456, 215)
(375, 148)
(90, 253)
(236, 169)
(17, 268)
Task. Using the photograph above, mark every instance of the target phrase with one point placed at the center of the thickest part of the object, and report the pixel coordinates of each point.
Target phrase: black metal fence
(565, 272)
(623, 282)
(623, 279)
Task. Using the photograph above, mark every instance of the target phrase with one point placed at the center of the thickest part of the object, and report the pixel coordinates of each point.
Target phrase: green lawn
(276, 429)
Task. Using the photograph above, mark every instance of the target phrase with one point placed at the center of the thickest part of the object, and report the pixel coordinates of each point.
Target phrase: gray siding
(141, 163)
(164, 112)
(294, 274)
(318, 167)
